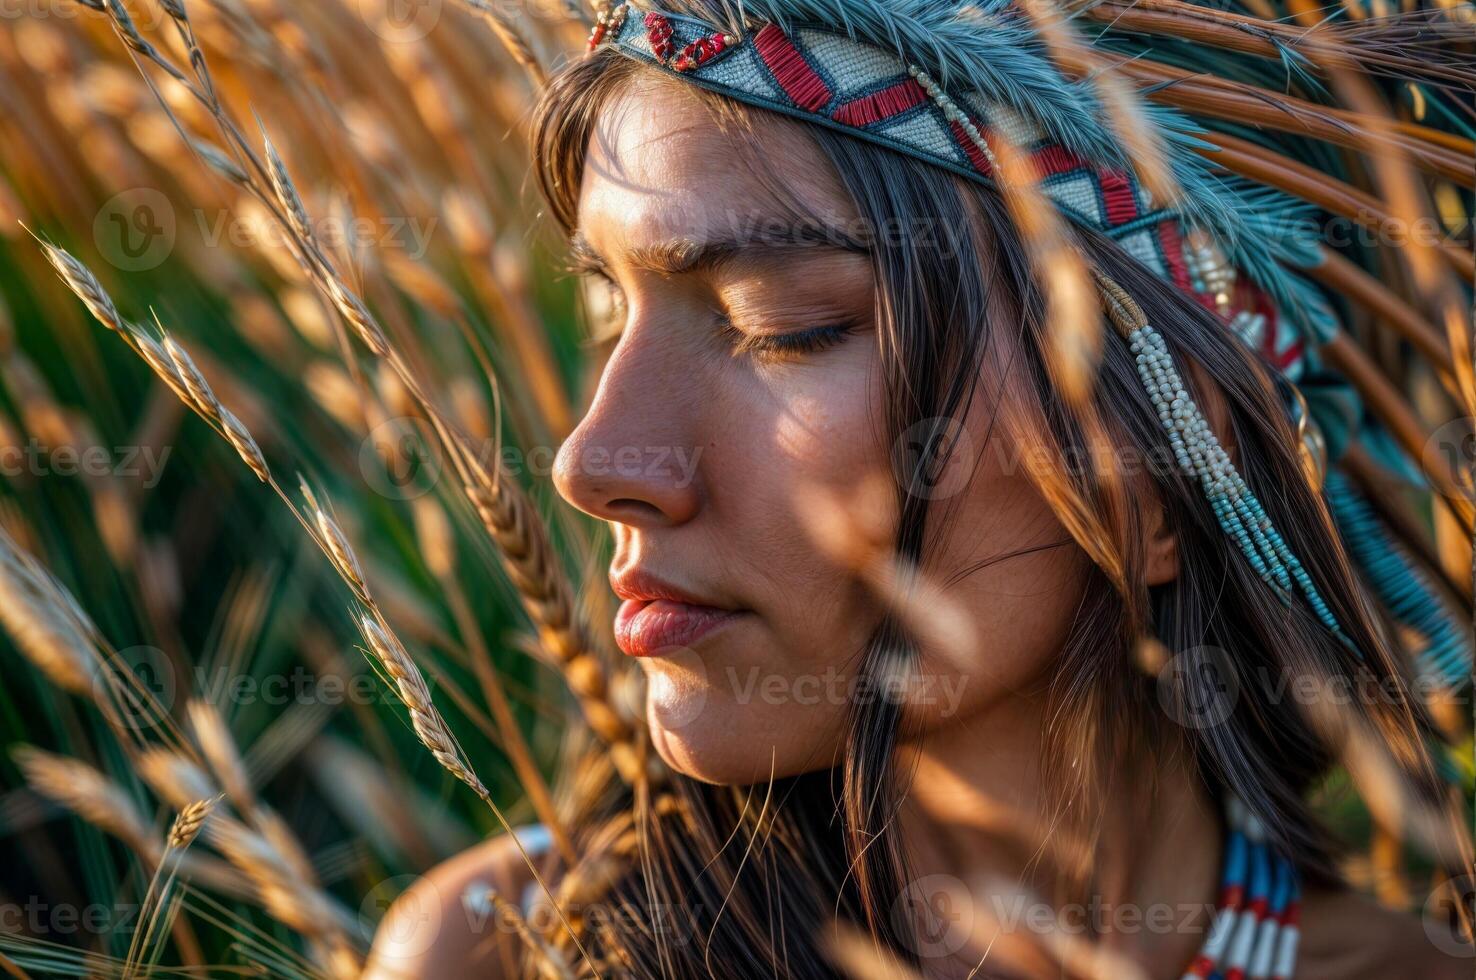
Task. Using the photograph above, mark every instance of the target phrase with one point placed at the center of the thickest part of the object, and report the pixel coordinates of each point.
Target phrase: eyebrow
(681, 255)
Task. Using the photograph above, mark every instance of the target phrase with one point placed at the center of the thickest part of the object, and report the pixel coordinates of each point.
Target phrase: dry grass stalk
(427, 722)
(88, 793)
(1141, 143)
(175, 779)
(433, 534)
(507, 514)
(335, 544)
(510, 518)
(286, 192)
(854, 533)
(358, 316)
(1073, 314)
(241, 440)
(285, 895)
(188, 823)
(504, 509)
(436, 736)
(81, 281)
(218, 161)
(202, 397)
(155, 908)
(219, 749)
(549, 963)
(513, 39)
(861, 958)
(170, 362)
(43, 626)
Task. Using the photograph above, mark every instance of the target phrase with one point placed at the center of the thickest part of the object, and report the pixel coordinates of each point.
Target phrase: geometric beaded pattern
(825, 77)
(1254, 934)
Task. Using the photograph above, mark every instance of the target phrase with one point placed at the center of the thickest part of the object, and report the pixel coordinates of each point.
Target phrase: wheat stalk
(44, 629)
(81, 281)
(502, 506)
(427, 722)
(88, 793)
(182, 832)
(509, 519)
(335, 544)
(284, 893)
(169, 360)
(551, 963)
(173, 778)
(219, 749)
(188, 823)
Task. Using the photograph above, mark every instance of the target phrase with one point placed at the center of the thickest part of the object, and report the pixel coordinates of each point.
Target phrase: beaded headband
(821, 75)
(826, 77)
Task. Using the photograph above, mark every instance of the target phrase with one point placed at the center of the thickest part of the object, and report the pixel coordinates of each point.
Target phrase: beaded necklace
(1255, 932)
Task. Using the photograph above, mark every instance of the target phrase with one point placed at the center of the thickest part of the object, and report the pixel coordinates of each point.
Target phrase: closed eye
(790, 343)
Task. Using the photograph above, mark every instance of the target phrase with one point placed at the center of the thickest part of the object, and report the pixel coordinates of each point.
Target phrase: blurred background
(404, 125)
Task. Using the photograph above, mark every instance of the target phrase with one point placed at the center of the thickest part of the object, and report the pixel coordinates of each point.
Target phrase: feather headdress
(1208, 143)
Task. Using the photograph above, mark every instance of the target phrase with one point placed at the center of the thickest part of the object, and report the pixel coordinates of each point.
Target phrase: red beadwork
(658, 31)
(699, 51)
(606, 24)
(790, 69)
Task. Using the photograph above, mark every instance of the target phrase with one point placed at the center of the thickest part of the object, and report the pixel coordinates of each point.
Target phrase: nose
(633, 458)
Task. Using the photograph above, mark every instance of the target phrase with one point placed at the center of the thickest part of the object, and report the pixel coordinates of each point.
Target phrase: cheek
(772, 698)
(811, 441)
(1015, 578)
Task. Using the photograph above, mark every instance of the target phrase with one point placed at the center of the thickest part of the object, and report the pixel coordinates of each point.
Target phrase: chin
(705, 734)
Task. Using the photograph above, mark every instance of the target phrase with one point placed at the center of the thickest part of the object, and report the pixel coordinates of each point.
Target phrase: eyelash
(791, 344)
(773, 345)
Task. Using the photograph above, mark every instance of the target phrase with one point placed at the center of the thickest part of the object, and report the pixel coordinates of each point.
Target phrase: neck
(1131, 876)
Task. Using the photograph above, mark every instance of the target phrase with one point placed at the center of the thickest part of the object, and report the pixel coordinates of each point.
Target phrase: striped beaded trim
(1255, 932)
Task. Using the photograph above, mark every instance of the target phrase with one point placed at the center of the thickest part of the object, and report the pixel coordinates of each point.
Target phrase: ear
(1161, 547)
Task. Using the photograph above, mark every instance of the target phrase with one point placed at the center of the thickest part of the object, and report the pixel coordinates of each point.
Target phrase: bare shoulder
(443, 926)
(1349, 936)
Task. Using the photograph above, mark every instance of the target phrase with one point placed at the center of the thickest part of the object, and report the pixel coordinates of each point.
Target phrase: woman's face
(744, 392)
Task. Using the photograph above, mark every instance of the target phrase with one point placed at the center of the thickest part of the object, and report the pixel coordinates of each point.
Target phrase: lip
(657, 617)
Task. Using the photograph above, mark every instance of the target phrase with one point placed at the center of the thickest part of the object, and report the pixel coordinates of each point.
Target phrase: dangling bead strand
(953, 113)
(1200, 454)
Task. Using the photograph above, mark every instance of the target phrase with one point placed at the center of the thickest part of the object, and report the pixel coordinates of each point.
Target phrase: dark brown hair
(744, 881)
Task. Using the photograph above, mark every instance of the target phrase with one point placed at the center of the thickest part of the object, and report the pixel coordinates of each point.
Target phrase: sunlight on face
(745, 383)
